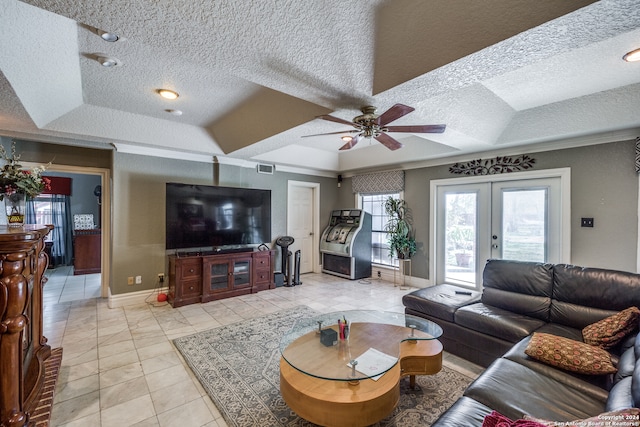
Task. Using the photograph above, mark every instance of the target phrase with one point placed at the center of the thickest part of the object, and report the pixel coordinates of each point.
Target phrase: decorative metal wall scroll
(501, 164)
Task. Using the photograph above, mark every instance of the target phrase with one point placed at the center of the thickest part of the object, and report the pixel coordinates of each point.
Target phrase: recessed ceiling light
(347, 138)
(168, 94)
(632, 56)
(109, 37)
(174, 112)
(108, 62)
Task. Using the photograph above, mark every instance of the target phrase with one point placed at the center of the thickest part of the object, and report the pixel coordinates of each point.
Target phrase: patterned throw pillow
(610, 331)
(624, 417)
(569, 355)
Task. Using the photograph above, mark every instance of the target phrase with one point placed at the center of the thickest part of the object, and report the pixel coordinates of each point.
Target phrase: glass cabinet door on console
(241, 273)
(226, 276)
(218, 276)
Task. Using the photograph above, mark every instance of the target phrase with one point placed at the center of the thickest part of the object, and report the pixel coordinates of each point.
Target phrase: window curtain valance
(379, 182)
(59, 185)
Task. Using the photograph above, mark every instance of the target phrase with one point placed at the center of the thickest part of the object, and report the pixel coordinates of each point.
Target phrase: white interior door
(301, 223)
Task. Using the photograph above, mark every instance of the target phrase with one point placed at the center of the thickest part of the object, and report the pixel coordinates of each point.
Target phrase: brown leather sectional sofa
(493, 329)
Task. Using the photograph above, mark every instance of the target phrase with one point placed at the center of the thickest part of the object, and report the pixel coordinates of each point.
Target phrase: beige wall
(604, 186)
(139, 208)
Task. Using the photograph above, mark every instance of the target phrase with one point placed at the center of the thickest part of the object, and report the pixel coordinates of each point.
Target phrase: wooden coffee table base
(338, 404)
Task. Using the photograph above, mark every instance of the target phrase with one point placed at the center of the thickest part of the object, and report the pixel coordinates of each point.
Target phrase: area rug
(238, 366)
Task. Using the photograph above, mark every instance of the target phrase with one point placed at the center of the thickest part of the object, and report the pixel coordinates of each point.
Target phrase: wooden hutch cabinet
(23, 348)
(208, 277)
(87, 250)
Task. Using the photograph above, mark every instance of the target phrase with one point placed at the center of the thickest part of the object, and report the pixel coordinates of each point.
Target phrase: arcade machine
(346, 244)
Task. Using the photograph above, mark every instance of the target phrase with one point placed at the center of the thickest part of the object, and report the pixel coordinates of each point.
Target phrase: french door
(518, 219)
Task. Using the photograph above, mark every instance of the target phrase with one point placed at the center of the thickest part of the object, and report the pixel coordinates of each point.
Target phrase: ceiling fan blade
(335, 119)
(351, 143)
(388, 142)
(417, 128)
(394, 113)
(332, 133)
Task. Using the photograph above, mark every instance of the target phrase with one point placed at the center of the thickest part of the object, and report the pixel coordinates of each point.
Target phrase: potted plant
(401, 240)
(462, 239)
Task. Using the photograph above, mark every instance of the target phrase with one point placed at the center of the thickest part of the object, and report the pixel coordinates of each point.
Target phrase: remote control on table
(463, 292)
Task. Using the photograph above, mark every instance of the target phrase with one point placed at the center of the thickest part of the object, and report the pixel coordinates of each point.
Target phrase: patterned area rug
(238, 365)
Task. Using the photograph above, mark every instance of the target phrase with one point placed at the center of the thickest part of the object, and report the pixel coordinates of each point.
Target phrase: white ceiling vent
(264, 168)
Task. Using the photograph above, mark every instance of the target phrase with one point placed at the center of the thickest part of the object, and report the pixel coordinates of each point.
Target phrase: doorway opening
(96, 277)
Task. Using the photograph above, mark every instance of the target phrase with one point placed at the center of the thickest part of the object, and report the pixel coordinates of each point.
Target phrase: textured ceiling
(253, 75)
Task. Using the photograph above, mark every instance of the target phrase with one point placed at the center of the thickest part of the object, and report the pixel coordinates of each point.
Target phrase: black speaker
(278, 278)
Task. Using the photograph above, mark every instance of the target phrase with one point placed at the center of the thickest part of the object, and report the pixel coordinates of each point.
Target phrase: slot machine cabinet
(345, 245)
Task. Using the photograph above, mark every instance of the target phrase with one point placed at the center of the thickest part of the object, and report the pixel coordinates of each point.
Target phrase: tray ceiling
(253, 75)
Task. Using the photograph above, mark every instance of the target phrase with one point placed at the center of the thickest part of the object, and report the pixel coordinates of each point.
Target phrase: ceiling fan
(371, 125)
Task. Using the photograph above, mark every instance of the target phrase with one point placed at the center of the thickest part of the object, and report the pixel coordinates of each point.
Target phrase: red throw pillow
(569, 355)
(610, 331)
(496, 419)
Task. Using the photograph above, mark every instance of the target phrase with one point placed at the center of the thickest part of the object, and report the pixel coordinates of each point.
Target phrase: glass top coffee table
(336, 375)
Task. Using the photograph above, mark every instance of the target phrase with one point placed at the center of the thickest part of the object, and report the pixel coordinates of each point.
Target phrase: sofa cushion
(497, 322)
(620, 396)
(515, 390)
(465, 412)
(611, 330)
(626, 365)
(570, 355)
(440, 301)
(597, 386)
(521, 287)
(582, 296)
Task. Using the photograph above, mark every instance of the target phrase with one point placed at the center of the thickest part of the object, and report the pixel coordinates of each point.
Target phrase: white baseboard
(387, 274)
(133, 298)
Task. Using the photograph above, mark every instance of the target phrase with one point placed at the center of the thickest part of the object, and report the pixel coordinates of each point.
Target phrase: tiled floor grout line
(120, 367)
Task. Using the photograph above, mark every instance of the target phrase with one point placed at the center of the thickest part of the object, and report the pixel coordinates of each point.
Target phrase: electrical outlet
(161, 277)
(379, 274)
(138, 280)
(586, 222)
(130, 280)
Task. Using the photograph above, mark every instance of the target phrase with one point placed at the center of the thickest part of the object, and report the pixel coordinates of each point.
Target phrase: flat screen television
(204, 217)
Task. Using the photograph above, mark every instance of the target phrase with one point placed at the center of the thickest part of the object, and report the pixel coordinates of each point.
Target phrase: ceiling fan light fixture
(372, 126)
(632, 56)
(168, 93)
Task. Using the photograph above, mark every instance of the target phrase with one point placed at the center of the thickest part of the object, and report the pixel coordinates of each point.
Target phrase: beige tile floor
(120, 368)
